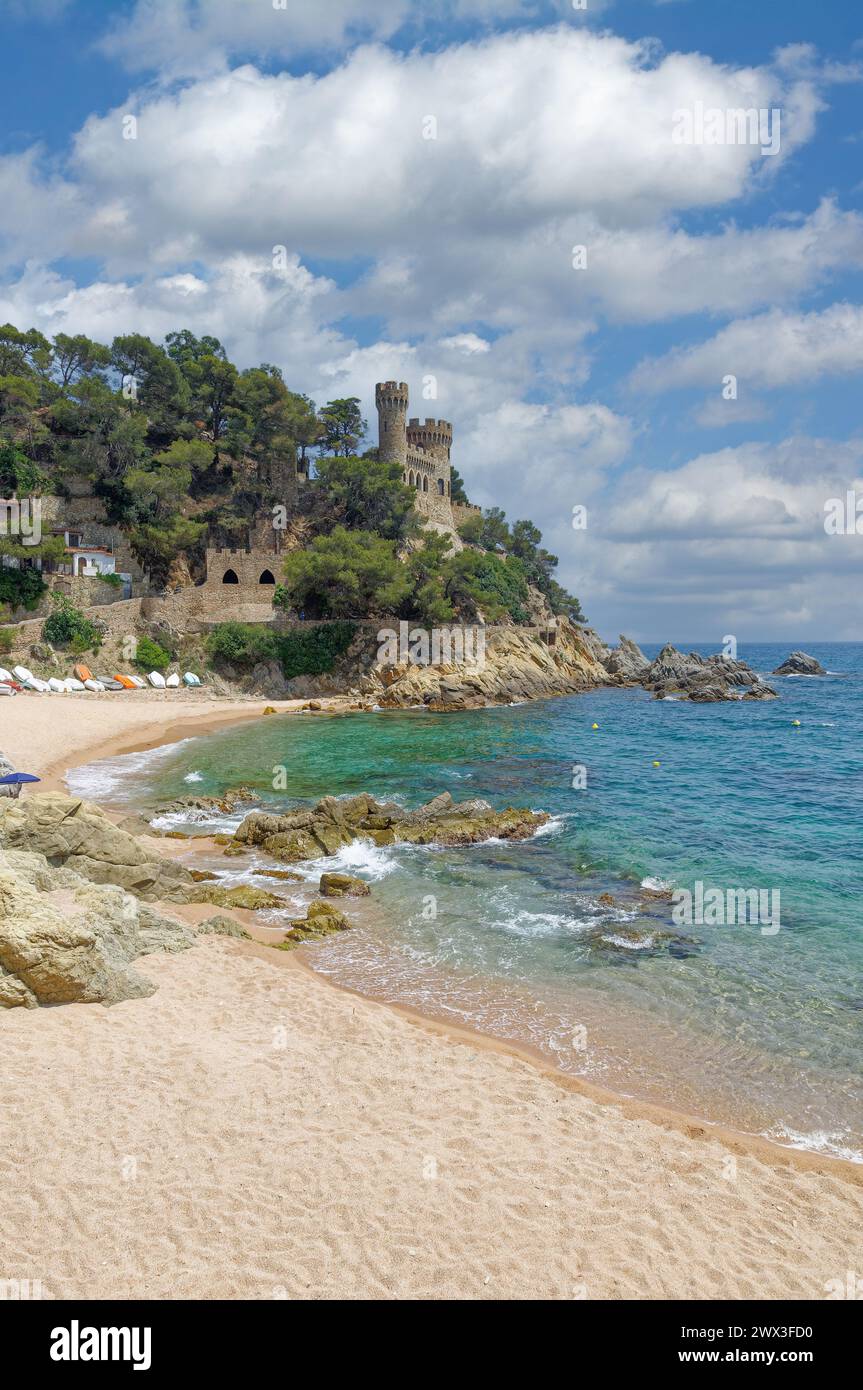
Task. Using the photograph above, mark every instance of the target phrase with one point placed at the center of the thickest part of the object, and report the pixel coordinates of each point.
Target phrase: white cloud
(732, 541)
(768, 351)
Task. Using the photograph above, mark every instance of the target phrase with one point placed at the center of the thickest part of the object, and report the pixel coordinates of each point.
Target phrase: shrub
(113, 580)
(314, 651)
(68, 627)
(7, 640)
(243, 645)
(150, 656)
(311, 651)
(21, 588)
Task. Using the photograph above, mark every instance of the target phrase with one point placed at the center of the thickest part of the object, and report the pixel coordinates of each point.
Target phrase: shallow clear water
(762, 1031)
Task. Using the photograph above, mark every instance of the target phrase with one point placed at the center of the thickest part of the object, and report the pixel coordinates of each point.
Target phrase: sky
(527, 210)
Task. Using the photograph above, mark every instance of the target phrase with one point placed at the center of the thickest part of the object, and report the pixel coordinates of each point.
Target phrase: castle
(422, 451)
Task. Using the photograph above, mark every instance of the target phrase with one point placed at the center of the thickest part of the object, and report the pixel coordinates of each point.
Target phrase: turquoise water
(762, 1031)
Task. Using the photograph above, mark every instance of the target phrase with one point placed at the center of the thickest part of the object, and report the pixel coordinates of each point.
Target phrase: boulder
(321, 920)
(800, 664)
(75, 834)
(222, 926)
(343, 886)
(50, 954)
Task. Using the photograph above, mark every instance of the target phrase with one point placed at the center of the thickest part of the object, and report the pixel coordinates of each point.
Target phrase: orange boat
(83, 673)
(125, 682)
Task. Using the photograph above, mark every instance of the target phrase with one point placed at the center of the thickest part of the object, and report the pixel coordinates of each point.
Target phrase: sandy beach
(251, 1131)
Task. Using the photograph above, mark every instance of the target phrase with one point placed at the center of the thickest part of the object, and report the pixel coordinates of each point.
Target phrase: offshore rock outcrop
(800, 664)
(684, 675)
(332, 823)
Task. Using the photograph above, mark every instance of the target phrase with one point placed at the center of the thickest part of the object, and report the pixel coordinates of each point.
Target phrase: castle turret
(391, 399)
(434, 438)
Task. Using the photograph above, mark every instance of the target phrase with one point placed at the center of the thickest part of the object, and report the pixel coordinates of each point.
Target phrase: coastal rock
(209, 805)
(333, 823)
(800, 664)
(627, 661)
(703, 679)
(51, 955)
(321, 920)
(77, 835)
(343, 886)
(241, 895)
(222, 926)
(5, 768)
(511, 663)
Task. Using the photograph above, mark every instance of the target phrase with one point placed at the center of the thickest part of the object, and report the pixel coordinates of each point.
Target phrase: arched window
(425, 484)
(229, 577)
(440, 487)
(411, 478)
(267, 577)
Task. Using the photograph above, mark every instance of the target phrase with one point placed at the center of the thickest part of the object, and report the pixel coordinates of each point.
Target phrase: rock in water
(800, 664)
(332, 823)
(627, 661)
(343, 886)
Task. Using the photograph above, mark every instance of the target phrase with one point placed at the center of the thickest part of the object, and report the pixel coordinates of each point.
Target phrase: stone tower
(391, 399)
(422, 451)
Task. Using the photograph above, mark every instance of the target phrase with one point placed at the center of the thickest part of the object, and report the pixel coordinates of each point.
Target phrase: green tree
(367, 495)
(343, 426)
(347, 574)
(457, 489)
(487, 584)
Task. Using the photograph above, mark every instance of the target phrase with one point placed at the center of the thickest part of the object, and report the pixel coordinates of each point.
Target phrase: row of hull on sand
(20, 678)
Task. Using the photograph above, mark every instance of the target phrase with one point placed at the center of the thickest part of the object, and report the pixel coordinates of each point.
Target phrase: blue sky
(451, 258)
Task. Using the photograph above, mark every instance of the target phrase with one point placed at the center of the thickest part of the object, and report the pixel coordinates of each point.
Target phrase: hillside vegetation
(184, 450)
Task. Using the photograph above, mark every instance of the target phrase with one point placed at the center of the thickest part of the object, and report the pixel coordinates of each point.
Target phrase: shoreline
(160, 733)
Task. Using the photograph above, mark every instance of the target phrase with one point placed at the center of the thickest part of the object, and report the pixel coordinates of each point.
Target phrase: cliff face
(517, 664)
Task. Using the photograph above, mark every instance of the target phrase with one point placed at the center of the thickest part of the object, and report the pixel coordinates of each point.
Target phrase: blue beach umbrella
(17, 778)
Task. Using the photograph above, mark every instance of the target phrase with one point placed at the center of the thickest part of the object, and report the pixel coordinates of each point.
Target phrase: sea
(578, 943)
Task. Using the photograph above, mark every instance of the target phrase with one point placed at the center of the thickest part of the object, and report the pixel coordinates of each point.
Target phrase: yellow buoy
(795, 723)
(655, 763)
(594, 726)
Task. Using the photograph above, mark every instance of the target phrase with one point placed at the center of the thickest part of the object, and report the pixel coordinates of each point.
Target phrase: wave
(194, 777)
(832, 1143)
(656, 885)
(116, 778)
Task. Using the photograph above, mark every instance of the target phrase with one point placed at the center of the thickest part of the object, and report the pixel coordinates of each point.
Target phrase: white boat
(22, 674)
(95, 686)
(191, 679)
(173, 681)
(156, 680)
(74, 684)
(59, 687)
(34, 683)
(5, 676)
(7, 690)
(138, 682)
